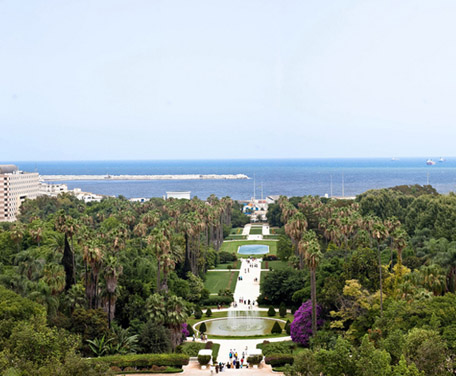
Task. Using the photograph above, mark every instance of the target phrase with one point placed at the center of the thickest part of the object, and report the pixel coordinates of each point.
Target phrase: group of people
(203, 337)
(252, 263)
(248, 302)
(237, 361)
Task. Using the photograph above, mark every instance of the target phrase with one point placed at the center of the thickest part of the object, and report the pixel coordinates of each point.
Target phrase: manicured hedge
(143, 360)
(191, 348)
(215, 300)
(204, 359)
(254, 359)
(226, 257)
(279, 360)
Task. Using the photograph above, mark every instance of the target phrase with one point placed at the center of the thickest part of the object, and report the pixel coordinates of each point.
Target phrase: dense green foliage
(383, 273)
(279, 360)
(142, 360)
(113, 277)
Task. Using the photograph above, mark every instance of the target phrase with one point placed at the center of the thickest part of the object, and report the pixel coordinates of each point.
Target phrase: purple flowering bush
(185, 332)
(301, 327)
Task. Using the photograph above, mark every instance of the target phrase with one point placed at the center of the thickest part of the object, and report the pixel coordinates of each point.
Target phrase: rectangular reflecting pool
(254, 249)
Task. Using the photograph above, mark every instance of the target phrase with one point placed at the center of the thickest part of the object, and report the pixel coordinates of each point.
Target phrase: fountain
(253, 249)
(243, 317)
(241, 324)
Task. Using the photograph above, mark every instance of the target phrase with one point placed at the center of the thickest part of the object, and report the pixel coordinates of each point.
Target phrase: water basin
(240, 326)
(253, 249)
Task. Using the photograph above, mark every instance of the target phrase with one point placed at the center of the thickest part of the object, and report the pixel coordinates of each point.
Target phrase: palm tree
(93, 256)
(112, 271)
(176, 315)
(54, 276)
(294, 228)
(448, 260)
(160, 246)
(174, 254)
(288, 210)
(379, 233)
(17, 234)
(140, 230)
(29, 265)
(433, 278)
(399, 240)
(36, 231)
(310, 248)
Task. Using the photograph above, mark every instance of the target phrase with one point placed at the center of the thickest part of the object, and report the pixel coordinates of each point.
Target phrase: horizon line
(215, 159)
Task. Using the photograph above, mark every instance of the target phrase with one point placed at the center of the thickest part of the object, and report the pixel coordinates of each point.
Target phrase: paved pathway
(194, 368)
(246, 229)
(246, 289)
(246, 232)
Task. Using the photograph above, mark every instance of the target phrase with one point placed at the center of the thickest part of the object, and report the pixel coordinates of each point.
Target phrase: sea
(289, 177)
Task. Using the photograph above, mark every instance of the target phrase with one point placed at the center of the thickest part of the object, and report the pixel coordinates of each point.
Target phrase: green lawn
(236, 237)
(234, 264)
(232, 247)
(216, 281)
(276, 265)
(256, 230)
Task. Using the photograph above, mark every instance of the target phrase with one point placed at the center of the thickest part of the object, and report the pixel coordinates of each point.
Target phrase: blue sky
(108, 79)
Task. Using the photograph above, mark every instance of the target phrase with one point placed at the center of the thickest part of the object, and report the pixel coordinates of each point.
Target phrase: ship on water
(430, 162)
(442, 159)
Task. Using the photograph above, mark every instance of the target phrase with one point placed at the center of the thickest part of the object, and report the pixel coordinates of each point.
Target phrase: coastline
(144, 177)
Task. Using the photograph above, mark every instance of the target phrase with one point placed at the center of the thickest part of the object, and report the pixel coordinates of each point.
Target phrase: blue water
(256, 249)
(290, 177)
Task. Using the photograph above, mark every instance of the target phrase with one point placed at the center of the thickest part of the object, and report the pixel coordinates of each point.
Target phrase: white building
(53, 190)
(178, 195)
(272, 199)
(86, 196)
(139, 199)
(15, 187)
(256, 209)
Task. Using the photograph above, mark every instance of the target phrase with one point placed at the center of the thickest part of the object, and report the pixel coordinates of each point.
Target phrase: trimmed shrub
(288, 327)
(279, 360)
(254, 359)
(198, 313)
(282, 310)
(204, 359)
(208, 312)
(226, 292)
(271, 311)
(203, 328)
(190, 348)
(226, 257)
(215, 300)
(276, 348)
(142, 360)
(190, 330)
(209, 345)
(276, 329)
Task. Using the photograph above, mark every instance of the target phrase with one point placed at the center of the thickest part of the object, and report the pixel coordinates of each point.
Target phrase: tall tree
(310, 249)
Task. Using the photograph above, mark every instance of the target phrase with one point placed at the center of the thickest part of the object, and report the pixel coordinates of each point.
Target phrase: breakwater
(144, 177)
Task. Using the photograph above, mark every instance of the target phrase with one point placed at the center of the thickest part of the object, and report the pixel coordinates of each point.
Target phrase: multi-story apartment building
(15, 187)
(52, 189)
